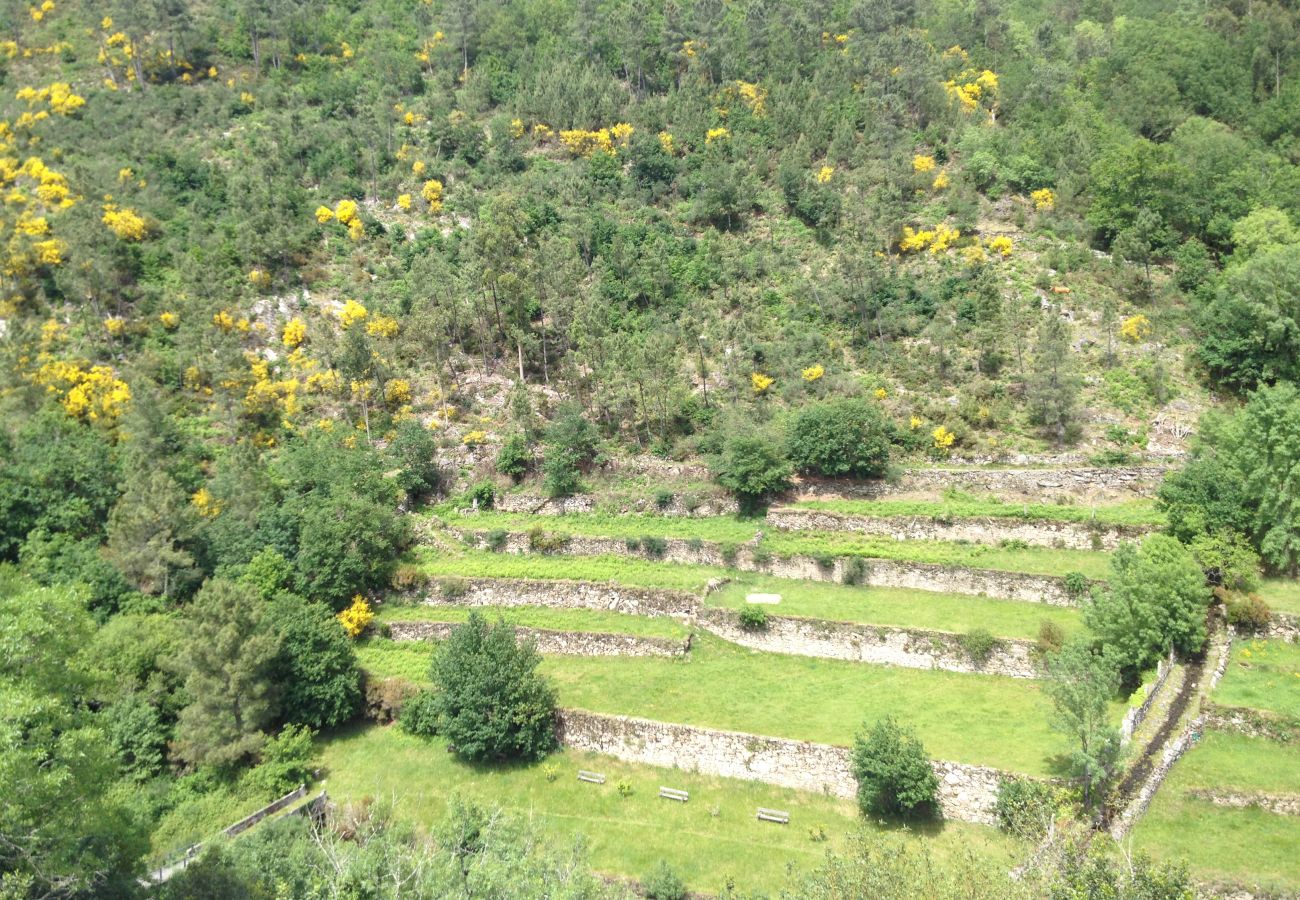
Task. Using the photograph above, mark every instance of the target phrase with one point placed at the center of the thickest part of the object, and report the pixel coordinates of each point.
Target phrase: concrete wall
(556, 643)
(966, 793)
(987, 530)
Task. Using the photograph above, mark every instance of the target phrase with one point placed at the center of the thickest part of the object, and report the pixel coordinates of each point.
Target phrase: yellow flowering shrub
(542, 132)
(382, 326)
(666, 143)
(345, 211)
(259, 278)
(397, 391)
(1135, 329)
(716, 134)
(418, 167)
(324, 214)
(1043, 199)
(880, 393)
(356, 229)
(813, 373)
(474, 438)
(922, 164)
(940, 181)
(432, 194)
(761, 383)
(351, 313)
(92, 393)
(915, 422)
(404, 201)
(127, 224)
(516, 128)
(169, 320)
(115, 325)
(824, 174)
(357, 617)
(580, 142)
(295, 332)
(207, 506)
(943, 438)
(224, 321)
(1001, 245)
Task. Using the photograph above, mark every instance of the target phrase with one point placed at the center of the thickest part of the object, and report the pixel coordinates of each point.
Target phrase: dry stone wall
(571, 595)
(1282, 627)
(879, 573)
(987, 530)
(680, 506)
(1128, 481)
(879, 645)
(966, 793)
(559, 643)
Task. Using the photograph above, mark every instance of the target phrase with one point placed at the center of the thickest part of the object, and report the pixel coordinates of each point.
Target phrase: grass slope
(1263, 675)
(713, 838)
(981, 719)
(1282, 594)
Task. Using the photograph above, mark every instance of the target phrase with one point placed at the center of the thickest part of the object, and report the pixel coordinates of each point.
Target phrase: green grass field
(632, 572)
(901, 607)
(708, 840)
(1282, 594)
(537, 617)
(1249, 846)
(722, 530)
(981, 719)
(1133, 512)
(1262, 675)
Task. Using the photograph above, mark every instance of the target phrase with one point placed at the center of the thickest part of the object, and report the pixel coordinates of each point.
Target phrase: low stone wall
(1134, 718)
(571, 595)
(555, 643)
(914, 649)
(1251, 722)
(879, 572)
(1280, 804)
(1282, 627)
(680, 506)
(1141, 481)
(966, 793)
(987, 530)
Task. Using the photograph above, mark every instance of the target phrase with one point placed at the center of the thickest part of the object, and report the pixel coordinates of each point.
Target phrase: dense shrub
(514, 458)
(482, 495)
(979, 645)
(1076, 585)
(1051, 637)
(1026, 808)
(419, 715)
(569, 445)
(840, 438)
(1247, 612)
(751, 466)
(384, 697)
(753, 617)
(856, 571)
(894, 775)
(663, 884)
(654, 546)
(542, 541)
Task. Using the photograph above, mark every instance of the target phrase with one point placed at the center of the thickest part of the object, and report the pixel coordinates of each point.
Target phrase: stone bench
(674, 794)
(781, 817)
(593, 777)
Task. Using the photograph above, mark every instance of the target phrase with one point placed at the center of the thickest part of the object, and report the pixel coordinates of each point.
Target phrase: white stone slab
(762, 598)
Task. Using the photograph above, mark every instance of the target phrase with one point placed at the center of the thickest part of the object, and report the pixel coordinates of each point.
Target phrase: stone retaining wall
(1141, 481)
(556, 643)
(1134, 718)
(1282, 627)
(879, 573)
(572, 595)
(1280, 804)
(966, 793)
(914, 649)
(679, 507)
(986, 530)
(1251, 722)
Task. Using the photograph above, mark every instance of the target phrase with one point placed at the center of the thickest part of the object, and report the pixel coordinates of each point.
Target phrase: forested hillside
(280, 278)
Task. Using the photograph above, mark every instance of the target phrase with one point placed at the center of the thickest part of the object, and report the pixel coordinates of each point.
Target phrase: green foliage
(1227, 558)
(753, 617)
(663, 884)
(1250, 327)
(1247, 612)
(285, 764)
(515, 457)
(491, 702)
(316, 668)
(1155, 598)
(1081, 683)
(1051, 637)
(1026, 808)
(420, 714)
(979, 645)
(840, 438)
(1076, 584)
(893, 772)
(415, 453)
(751, 466)
(569, 445)
(482, 495)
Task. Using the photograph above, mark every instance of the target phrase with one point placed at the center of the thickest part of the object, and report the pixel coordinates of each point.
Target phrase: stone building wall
(986, 530)
(555, 643)
(966, 793)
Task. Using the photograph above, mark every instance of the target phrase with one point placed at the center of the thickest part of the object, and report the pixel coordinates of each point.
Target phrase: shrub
(357, 617)
(840, 438)
(1247, 612)
(663, 499)
(496, 539)
(633, 544)
(492, 703)
(1013, 544)
(570, 444)
(1026, 808)
(817, 833)
(695, 544)
(760, 556)
(542, 541)
(1051, 637)
(551, 771)
(514, 458)
(408, 577)
(752, 466)
(753, 617)
(729, 553)
(483, 494)
(1076, 584)
(286, 763)
(654, 547)
(825, 561)
(893, 772)
(384, 697)
(979, 644)
(855, 571)
(663, 884)
(624, 789)
(419, 714)
(453, 587)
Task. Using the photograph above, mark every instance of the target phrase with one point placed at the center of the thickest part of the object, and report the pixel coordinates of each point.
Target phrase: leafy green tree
(147, 535)
(751, 465)
(1155, 598)
(316, 668)
(569, 445)
(346, 545)
(514, 458)
(1052, 389)
(229, 664)
(492, 702)
(1250, 328)
(1081, 683)
(415, 452)
(840, 438)
(285, 762)
(894, 773)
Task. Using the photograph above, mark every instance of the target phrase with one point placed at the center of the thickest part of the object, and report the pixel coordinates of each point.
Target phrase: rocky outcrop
(966, 793)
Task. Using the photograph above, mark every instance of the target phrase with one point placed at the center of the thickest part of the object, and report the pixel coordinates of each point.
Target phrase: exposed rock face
(966, 793)
(557, 643)
(987, 530)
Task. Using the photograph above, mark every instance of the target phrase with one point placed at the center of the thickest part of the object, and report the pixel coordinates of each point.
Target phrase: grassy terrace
(711, 838)
(981, 719)
(1249, 846)
(534, 617)
(1282, 594)
(1133, 512)
(725, 530)
(1263, 675)
(816, 600)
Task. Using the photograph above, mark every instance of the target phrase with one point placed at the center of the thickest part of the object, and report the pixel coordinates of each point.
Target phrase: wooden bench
(593, 777)
(674, 794)
(773, 815)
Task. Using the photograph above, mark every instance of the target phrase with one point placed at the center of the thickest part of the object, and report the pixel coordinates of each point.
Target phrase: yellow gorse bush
(357, 617)
(295, 332)
(127, 224)
(761, 383)
(351, 313)
(1043, 199)
(1135, 329)
(813, 373)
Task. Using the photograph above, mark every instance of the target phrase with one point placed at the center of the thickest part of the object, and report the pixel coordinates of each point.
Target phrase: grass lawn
(1248, 846)
(713, 837)
(540, 617)
(902, 607)
(1281, 594)
(1262, 675)
(983, 719)
(725, 530)
(1131, 512)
